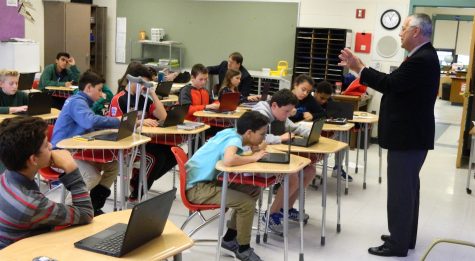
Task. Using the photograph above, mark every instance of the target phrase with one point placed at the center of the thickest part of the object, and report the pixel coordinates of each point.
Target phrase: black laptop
(312, 138)
(228, 102)
(25, 82)
(146, 222)
(175, 116)
(339, 112)
(264, 94)
(282, 158)
(163, 89)
(126, 128)
(38, 103)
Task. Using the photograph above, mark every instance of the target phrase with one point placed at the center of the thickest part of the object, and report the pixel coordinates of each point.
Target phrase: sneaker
(275, 222)
(232, 246)
(294, 215)
(247, 255)
(343, 174)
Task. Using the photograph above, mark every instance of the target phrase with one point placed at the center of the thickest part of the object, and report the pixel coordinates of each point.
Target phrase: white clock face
(390, 19)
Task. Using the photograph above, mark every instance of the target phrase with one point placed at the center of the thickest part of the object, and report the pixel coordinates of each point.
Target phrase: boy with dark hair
(235, 61)
(203, 188)
(61, 73)
(278, 109)
(159, 156)
(11, 100)
(24, 210)
(76, 118)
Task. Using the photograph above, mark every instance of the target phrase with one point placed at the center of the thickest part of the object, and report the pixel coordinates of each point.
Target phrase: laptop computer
(312, 138)
(282, 158)
(228, 102)
(38, 103)
(339, 112)
(126, 128)
(264, 94)
(163, 89)
(146, 222)
(175, 116)
(25, 82)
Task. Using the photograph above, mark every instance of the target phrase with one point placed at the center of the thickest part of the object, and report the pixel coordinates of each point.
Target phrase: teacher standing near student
(406, 127)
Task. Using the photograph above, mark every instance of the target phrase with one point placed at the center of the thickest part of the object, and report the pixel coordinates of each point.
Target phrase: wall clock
(390, 19)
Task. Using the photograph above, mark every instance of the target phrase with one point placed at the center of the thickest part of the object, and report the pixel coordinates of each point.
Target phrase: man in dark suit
(406, 127)
(235, 62)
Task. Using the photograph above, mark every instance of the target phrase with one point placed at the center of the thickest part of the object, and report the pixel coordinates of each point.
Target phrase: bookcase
(316, 52)
(276, 82)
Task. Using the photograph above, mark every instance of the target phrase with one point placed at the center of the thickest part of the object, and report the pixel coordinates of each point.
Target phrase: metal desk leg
(347, 160)
(286, 217)
(358, 149)
(302, 211)
(222, 215)
(122, 180)
(324, 197)
(338, 193)
(470, 161)
(380, 161)
(365, 153)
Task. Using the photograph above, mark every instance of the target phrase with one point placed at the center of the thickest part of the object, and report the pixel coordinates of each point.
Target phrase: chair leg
(258, 235)
(190, 217)
(63, 194)
(206, 222)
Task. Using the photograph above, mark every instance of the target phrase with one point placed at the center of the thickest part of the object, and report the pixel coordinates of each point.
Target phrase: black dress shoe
(385, 238)
(384, 250)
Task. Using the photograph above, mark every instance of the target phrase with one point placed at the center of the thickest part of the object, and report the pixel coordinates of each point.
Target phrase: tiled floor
(446, 210)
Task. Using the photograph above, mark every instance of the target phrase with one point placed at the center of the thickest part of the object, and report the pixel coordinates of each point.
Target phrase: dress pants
(403, 197)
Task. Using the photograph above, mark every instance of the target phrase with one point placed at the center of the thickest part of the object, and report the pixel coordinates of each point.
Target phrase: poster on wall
(120, 39)
(12, 3)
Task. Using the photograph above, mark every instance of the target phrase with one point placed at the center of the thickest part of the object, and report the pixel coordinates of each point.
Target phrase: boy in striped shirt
(24, 210)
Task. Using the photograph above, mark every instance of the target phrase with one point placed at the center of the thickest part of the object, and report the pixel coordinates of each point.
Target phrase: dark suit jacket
(406, 118)
(246, 79)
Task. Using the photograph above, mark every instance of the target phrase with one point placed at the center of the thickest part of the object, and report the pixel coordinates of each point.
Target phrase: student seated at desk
(307, 109)
(230, 84)
(11, 100)
(278, 109)
(203, 188)
(61, 73)
(101, 106)
(77, 118)
(159, 156)
(235, 62)
(24, 210)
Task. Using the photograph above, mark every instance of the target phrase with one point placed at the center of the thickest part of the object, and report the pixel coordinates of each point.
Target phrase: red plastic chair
(195, 209)
(49, 175)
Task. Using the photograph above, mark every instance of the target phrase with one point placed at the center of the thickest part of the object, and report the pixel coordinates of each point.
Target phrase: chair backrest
(181, 159)
(49, 133)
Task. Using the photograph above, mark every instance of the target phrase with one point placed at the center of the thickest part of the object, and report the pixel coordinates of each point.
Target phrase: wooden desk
(324, 146)
(176, 87)
(60, 91)
(296, 164)
(60, 244)
(365, 118)
(456, 94)
(130, 142)
(359, 102)
(172, 98)
(47, 117)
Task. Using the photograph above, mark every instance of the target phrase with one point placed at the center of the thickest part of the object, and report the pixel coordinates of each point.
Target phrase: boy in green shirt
(11, 100)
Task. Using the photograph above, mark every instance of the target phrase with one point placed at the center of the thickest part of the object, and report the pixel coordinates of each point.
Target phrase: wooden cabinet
(68, 28)
(456, 93)
(316, 52)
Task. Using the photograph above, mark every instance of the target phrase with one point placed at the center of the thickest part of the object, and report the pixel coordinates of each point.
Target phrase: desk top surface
(205, 114)
(60, 244)
(170, 98)
(364, 117)
(296, 164)
(60, 88)
(49, 116)
(172, 130)
(324, 145)
(127, 143)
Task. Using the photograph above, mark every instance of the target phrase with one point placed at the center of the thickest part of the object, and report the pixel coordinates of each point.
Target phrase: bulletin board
(12, 24)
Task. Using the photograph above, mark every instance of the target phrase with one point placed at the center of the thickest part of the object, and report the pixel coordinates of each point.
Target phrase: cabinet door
(54, 30)
(78, 20)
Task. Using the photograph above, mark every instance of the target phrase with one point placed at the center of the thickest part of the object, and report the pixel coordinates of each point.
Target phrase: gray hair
(424, 22)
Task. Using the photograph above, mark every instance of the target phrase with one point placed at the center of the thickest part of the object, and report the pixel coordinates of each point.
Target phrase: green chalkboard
(264, 32)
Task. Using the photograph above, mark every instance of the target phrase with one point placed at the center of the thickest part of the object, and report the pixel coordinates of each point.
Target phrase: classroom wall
(35, 31)
(12, 23)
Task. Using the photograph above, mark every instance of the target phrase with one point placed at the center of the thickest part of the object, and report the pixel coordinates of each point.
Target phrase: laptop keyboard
(112, 244)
